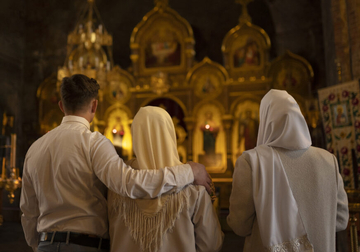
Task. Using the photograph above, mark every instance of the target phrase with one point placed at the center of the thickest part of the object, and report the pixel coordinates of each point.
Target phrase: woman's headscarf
(281, 125)
(154, 143)
(154, 139)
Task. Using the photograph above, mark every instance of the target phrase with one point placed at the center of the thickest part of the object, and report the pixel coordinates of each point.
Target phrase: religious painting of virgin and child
(247, 54)
(162, 50)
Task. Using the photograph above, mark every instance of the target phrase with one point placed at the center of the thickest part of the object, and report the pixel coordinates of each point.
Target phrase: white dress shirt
(65, 176)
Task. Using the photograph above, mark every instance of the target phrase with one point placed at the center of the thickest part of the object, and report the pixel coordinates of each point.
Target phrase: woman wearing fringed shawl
(286, 194)
(185, 221)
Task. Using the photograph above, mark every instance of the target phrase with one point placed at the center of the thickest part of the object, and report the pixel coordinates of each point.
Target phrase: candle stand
(12, 182)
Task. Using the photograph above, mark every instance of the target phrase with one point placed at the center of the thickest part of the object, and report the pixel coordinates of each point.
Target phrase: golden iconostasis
(215, 107)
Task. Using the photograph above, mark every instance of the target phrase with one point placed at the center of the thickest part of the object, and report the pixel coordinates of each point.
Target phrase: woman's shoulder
(196, 193)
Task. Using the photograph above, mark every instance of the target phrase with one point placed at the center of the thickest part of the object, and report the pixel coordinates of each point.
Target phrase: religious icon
(340, 116)
(208, 86)
(118, 91)
(209, 142)
(118, 132)
(245, 127)
(247, 55)
(248, 130)
(210, 131)
(163, 49)
(289, 80)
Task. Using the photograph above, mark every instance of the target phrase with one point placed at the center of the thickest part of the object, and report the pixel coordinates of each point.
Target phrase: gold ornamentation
(14, 181)
(245, 17)
(160, 83)
(292, 73)
(207, 78)
(163, 41)
(246, 49)
(118, 86)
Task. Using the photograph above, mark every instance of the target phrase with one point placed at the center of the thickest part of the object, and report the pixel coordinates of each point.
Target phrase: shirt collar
(76, 119)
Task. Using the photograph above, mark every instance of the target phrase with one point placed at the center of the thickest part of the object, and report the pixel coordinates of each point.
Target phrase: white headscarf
(154, 143)
(281, 125)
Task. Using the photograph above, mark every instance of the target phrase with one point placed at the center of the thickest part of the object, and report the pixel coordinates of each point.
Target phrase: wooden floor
(12, 239)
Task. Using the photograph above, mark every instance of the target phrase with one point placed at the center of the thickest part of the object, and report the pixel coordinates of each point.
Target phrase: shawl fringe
(147, 230)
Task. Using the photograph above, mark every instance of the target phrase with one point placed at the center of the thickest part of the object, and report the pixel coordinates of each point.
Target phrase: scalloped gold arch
(117, 106)
(241, 27)
(288, 54)
(246, 42)
(198, 106)
(204, 62)
(169, 96)
(155, 19)
(156, 12)
(245, 97)
(291, 72)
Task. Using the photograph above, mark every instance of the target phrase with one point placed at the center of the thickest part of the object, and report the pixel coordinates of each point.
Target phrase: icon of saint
(210, 131)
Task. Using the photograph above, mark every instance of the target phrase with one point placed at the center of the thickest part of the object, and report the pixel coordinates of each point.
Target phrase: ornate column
(190, 123)
(228, 122)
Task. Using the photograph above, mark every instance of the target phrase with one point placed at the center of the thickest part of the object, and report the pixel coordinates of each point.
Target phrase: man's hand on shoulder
(201, 177)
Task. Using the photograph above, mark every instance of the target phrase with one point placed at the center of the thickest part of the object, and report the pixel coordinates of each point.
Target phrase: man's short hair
(77, 91)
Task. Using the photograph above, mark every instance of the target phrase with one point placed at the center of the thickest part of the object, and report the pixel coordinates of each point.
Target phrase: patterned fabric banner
(339, 106)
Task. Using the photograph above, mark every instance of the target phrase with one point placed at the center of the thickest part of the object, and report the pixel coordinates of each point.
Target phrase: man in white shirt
(67, 172)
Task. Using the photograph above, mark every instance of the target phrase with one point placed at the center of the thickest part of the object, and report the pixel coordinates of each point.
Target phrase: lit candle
(3, 174)
(13, 151)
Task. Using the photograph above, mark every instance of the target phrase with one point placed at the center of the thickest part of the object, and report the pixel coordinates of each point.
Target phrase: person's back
(286, 193)
(319, 192)
(314, 180)
(185, 221)
(194, 227)
(57, 161)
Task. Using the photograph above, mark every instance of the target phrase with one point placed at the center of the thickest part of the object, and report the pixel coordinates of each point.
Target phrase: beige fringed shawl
(148, 226)
(154, 141)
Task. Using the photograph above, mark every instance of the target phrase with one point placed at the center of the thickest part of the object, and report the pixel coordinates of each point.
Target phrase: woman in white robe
(185, 221)
(286, 195)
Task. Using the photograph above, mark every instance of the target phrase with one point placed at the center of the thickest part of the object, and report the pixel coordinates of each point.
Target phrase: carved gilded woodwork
(207, 79)
(162, 42)
(292, 73)
(246, 52)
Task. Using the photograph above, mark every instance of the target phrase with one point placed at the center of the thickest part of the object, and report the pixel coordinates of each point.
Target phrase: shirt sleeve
(242, 208)
(208, 234)
(342, 214)
(30, 208)
(124, 180)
